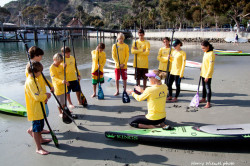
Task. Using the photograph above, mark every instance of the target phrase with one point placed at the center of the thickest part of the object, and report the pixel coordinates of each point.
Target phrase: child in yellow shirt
(57, 77)
(97, 76)
(71, 76)
(34, 96)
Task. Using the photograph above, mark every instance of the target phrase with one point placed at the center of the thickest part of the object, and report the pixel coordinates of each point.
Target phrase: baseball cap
(152, 74)
(176, 42)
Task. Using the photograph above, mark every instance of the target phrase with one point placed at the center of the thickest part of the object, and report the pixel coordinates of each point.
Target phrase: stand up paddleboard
(10, 106)
(231, 54)
(212, 133)
(189, 63)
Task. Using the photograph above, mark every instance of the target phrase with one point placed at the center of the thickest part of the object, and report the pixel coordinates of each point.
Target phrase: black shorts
(141, 73)
(37, 125)
(74, 86)
(141, 119)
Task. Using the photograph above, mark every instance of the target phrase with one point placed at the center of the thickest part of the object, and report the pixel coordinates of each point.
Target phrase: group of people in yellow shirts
(157, 94)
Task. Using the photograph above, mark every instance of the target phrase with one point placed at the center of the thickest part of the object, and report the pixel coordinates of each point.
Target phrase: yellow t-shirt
(142, 56)
(123, 51)
(41, 81)
(207, 67)
(71, 69)
(156, 100)
(102, 60)
(57, 77)
(33, 97)
(163, 58)
(178, 63)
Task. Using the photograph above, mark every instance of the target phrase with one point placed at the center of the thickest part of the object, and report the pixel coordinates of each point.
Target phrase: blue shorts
(37, 125)
(74, 86)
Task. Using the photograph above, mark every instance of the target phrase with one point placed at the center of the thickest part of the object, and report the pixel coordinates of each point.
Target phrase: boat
(227, 51)
(232, 40)
(192, 64)
(10, 106)
(131, 80)
(231, 54)
(191, 134)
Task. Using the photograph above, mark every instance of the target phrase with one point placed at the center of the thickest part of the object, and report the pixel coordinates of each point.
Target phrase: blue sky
(3, 2)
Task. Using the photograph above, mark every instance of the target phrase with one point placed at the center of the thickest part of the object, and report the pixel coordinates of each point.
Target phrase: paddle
(100, 91)
(125, 97)
(135, 54)
(167, 71)
(195, 101)
(54, 138)
(83, 98)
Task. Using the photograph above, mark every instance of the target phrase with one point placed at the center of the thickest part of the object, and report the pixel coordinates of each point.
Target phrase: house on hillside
(75, 22)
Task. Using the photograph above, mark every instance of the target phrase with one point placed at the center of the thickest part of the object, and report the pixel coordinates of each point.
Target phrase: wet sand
(88, 145)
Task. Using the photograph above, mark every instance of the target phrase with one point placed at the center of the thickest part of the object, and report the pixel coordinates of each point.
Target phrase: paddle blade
(195, 101)
(54, 138)
(100, 93)
(66, 113)
(125, 97)
(84, 100)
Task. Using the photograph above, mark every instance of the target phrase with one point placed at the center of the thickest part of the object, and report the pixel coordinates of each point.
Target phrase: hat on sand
(152, 74)
(176, 42)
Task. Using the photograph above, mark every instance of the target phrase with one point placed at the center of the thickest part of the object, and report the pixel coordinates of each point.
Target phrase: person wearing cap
(207, 70)
(177, 70)
(156, 100)
(164, 56)
(141, 49)
(123, 52)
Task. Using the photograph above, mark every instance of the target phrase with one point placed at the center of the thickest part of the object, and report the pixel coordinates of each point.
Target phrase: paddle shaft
(119, 63)
(64, 61)
(171, 43)
(54, 138)
(135, 54)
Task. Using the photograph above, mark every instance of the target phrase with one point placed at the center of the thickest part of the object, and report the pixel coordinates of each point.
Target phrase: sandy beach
(88, 145)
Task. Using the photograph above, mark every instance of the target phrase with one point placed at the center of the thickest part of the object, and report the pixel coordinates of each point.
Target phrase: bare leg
(138, 82)
(125, 84)
(117, 87)
(144, 84)
(29, 131)
(143, 126)
(38, 138)
(69, 100)
(94, 94)
(78, 95)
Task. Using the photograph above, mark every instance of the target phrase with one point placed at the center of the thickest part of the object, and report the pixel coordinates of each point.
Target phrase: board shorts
(74, 86)
(141, 119)
(96, 79)
(118, 74)
(61, 99)
(37, 125)
(141, 73)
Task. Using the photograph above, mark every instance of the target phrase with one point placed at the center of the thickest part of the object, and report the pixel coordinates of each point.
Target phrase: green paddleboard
(214, 133)
(231, 54)
(10, 106)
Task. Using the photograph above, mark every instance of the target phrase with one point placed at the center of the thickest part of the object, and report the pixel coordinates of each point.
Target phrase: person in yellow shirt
(98, 62)
(207, 70)
(34, 95)
(141, 49)
(57, 77)
(177, 69)
(163, 56)
(71, 77)
(123, 51)
(156, 100)
(36, 54)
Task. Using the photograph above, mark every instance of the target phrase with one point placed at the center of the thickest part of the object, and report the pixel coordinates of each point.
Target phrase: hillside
(60, 12)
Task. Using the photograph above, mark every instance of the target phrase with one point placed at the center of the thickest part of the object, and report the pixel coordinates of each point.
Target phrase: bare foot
(45, 132)
(61, 115)
(29, 131)
(94, 95)
(71, 106)
(207, 105)
(169, 98)
(174, 100)
(202, 101)
(116, 94)
(45, 141)
(42, 152)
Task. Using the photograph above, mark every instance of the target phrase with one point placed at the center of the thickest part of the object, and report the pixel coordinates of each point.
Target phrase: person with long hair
(177, 70)
(207, 70)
